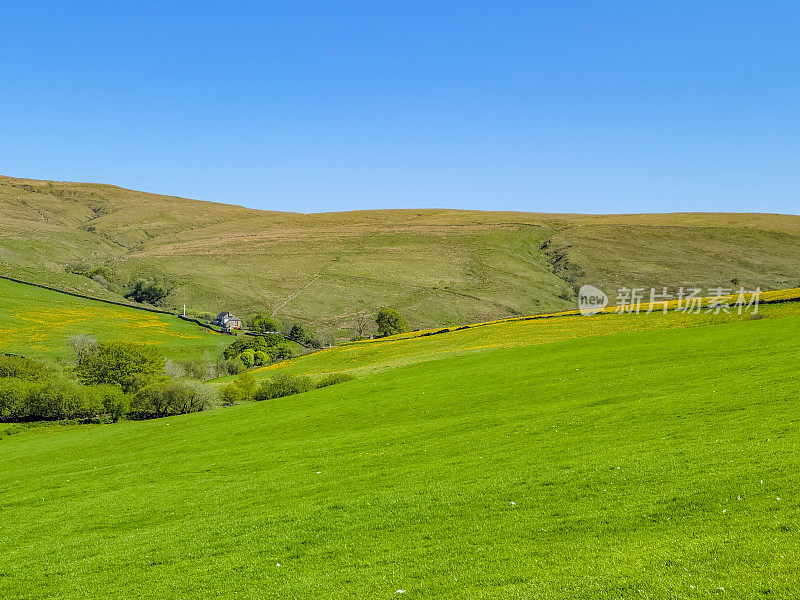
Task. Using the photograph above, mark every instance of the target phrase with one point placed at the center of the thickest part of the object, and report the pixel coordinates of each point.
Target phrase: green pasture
(651, 463)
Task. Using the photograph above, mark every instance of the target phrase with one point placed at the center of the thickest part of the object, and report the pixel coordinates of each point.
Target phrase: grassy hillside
(636, 462)
(436, 266)
(37, 323)
(374, 356)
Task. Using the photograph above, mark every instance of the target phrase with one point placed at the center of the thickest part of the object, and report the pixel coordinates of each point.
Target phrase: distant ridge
(436, 266)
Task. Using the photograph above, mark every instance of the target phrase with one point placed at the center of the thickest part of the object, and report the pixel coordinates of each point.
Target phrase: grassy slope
(653, 464)
(374, 356)
(437, 266)
(37, 323)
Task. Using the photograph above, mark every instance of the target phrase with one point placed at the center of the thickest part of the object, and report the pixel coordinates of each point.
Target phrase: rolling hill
(436, 266)
(614, 457)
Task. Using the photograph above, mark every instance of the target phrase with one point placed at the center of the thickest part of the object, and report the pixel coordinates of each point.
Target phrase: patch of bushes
(22, 368)
(229, 366)
(334, 378)
(169, 398)
(131, 366)
(254, 351)
(264, 324)
(101, 274)
(58, 399)
(265, 343)
(283, 384)
(241, 390)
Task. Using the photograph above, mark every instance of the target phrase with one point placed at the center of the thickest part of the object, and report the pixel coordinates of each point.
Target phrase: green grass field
(632, 462)
(373, 356)
(37, 323)
(438, 267)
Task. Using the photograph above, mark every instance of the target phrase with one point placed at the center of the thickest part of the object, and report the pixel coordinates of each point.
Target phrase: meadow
(634, 462)
(381, 354)
(37, 323)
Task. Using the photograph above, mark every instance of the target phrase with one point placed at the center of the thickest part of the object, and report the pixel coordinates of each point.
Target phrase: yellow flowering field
(37, 322)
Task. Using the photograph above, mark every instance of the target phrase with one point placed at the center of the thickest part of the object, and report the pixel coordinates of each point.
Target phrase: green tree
(259, 342)
(149, 292)
(390, 322)
(247, 385)
(298, 333)
(262, 357)
(264, 324)
(115, 402)
(248, 357)
(121, 363)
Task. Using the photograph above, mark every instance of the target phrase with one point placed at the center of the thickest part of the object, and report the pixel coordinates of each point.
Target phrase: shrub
(247, 385)
(13, 396)
(262, 357)
(174, 370)
(128, 365)
(173, 398)
(282, 385)
(149, 292)
(259, 342)
(232, 394)
(264, 324)
(61, 399)
(229, 366)
(390, 322)
(248, 357)
(334, 378)
(197, 369)
(22, 368)
(115, 402)
(281, 353)
(82, 345)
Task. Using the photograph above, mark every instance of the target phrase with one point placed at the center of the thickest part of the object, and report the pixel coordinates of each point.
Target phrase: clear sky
(562, 106)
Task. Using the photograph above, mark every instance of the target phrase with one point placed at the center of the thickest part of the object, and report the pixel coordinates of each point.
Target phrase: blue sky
(316, 106)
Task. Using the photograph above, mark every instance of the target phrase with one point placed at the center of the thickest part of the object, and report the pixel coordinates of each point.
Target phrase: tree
(362, 322)
(298, 334)
(115, 402)
(247, 385)
(390, 322)
(264, 324)
(248, 357)
(121, 363)
(149, 292)
(259, 342)
(82, 345)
